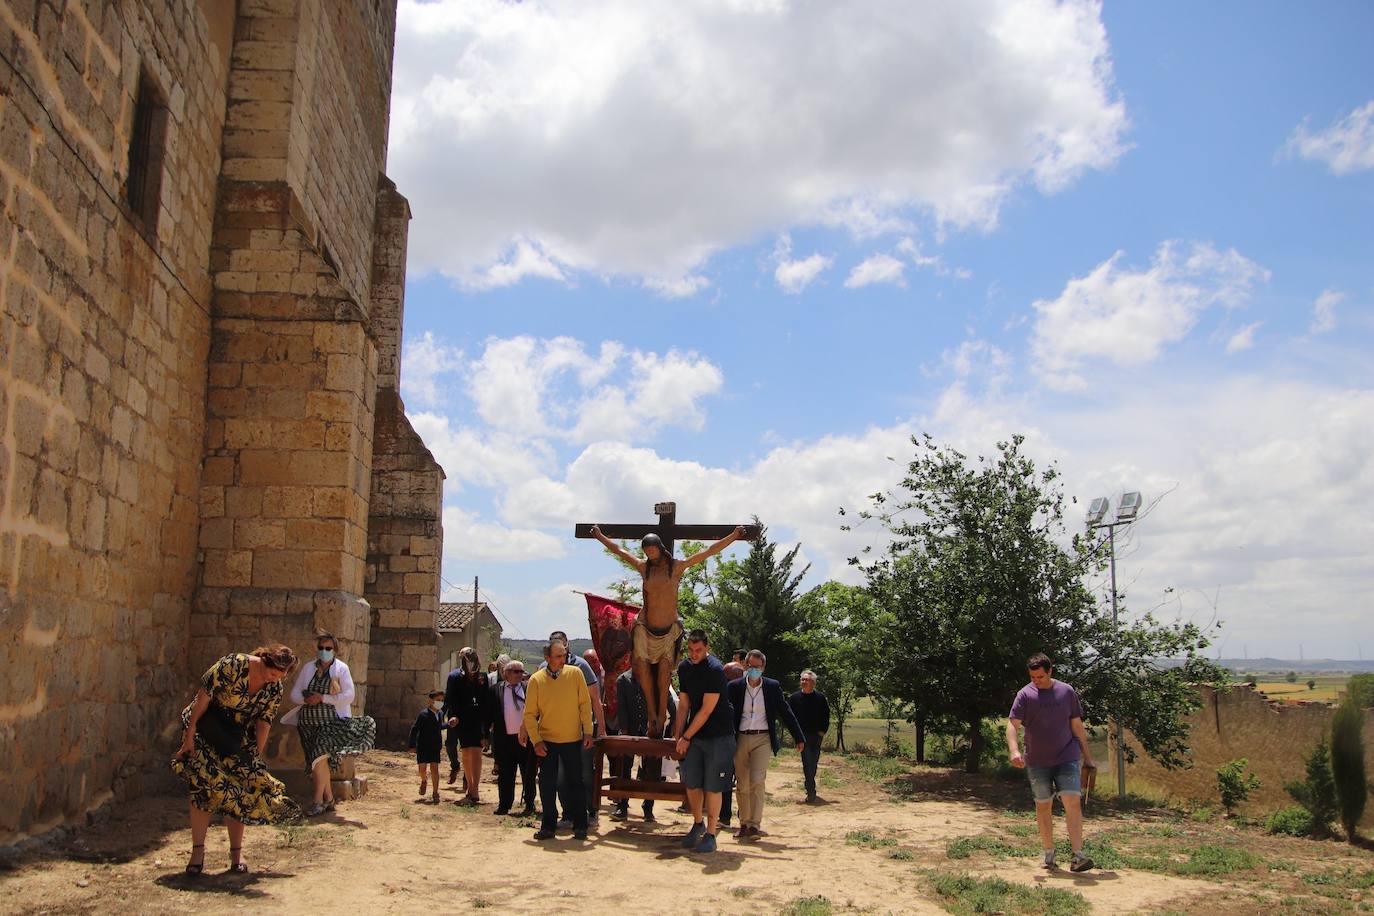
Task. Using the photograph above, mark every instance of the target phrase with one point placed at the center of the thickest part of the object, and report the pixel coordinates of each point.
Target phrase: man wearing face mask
(758, 703)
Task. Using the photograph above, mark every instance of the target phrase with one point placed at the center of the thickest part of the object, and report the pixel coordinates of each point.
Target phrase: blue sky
(736, 253)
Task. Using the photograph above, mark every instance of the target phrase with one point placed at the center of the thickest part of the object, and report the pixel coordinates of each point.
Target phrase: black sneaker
(694, 836)
(544, 834)
(1080, 862)
(580, 834)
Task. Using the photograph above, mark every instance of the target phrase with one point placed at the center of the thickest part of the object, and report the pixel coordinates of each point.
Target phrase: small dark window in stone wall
(147, 146)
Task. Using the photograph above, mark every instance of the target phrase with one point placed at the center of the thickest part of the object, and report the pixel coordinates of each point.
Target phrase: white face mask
(437, 704)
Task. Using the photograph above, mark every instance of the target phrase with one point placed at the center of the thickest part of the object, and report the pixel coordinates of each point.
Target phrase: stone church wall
(103, 345)
(190, 401)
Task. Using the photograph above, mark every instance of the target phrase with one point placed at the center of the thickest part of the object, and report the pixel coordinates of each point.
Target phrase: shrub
(1317, 793)
(1347, 765)
(1291, 677)
(1294, 820)
(1360, 690)
(1234, 784)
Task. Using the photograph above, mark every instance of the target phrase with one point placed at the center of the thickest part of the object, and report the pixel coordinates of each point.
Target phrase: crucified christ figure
(657, 632)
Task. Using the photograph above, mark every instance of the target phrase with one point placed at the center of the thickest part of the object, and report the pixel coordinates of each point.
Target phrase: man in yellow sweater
(558, 719)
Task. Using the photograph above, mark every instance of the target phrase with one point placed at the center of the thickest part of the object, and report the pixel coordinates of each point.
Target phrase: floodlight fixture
(1097, 510)
(1129, 506)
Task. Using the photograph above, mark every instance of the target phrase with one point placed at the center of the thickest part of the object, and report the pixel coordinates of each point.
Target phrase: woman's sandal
(240, 867)
(195, 868)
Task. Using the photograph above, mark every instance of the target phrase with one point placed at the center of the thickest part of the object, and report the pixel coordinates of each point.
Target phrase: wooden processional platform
(630, 745)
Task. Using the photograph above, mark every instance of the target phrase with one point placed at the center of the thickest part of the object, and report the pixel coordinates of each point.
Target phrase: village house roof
(454, 616)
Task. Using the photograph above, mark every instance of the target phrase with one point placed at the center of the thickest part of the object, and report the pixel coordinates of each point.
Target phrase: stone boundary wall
(1241, 722)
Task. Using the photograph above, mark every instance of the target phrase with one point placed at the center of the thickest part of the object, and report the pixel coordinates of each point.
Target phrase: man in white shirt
(758, 702)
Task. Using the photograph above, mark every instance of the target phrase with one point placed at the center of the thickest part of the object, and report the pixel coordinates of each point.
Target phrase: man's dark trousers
(510, 758)
(811, 758)
(562, 757)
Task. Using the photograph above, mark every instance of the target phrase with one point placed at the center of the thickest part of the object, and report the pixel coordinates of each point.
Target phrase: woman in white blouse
(329, 730)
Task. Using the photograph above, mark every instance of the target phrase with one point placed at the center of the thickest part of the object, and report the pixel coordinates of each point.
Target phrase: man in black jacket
(509, 749)
(758, 703)
(813, 714)
(632, 718)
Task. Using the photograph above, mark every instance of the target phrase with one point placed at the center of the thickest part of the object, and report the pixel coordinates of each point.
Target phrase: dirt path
(866, 849)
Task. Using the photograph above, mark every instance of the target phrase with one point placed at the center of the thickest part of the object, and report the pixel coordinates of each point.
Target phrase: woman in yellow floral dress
(246, 689)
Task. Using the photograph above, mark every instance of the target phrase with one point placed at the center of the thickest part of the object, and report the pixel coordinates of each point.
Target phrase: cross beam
(666, 528)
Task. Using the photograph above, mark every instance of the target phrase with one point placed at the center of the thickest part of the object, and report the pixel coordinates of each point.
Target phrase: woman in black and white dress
(329, 731)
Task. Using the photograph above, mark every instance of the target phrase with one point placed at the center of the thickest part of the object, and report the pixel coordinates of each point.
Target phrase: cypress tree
(1347, 765)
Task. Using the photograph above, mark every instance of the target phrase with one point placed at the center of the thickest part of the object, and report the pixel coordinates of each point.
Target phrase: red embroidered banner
(610, 623)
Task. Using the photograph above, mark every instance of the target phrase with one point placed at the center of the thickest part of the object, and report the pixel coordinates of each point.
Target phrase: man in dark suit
(758, 702)
(508, 746)
(632, 718)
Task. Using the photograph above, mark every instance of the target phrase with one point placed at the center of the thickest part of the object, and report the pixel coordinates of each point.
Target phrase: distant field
(1327, 689)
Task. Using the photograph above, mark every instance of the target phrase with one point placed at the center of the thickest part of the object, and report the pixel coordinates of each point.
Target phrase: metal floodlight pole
(1126, 513)
(1116, 625)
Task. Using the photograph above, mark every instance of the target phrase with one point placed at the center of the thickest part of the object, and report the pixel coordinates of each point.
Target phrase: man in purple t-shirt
(1056, 748)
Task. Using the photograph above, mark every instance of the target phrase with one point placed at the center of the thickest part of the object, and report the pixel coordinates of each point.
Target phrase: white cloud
(530, 394)
(468, 539)
(866, 115)
(1243, 339)
(978, 358)
(877, 268)
(1324, 311)
(1346, 146)
(683, 287)
(423, 362)
(793, 276)
(525, 260)
(1127, 316)
(912, 249)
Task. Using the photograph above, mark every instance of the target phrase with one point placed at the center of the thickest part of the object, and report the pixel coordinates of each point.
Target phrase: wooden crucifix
(657, 635)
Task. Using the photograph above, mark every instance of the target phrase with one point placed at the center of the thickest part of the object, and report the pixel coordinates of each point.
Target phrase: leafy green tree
(1317, 793)
(1311, 684)
(1360, 690)
(977, 575)
(753, 604)
(1291, 677)
(1347, 765)
(838, 618)
(1234, 784)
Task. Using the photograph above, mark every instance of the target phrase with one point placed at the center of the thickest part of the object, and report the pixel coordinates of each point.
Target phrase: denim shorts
(708, 763)
(1060, 779)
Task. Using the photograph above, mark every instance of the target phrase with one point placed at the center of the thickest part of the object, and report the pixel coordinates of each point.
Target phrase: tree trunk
(975, 745)
(839, 734)
(921, 740)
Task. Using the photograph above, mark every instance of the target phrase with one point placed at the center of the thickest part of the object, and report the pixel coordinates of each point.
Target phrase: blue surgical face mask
(754, 674)
(325, 655)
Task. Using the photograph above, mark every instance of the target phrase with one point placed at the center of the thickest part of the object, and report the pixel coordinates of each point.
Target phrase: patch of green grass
(741, 891)
(877, 769)
(480, 903)
(808, 906)
(1282, 865)
(1022, 829)
(901, 855)
(405, 812)
(829, 780)
(1213, 860)
(1347, 878)
(1202, 814)
(966, 846)
(966, 894)
(298, 835)
(866, 838)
